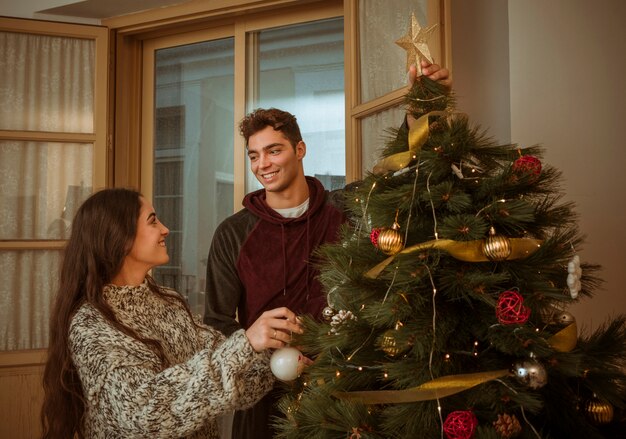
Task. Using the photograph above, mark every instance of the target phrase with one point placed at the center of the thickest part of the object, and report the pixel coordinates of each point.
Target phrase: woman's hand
(273, 329)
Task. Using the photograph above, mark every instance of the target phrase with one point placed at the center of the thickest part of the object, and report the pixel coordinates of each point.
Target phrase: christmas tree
(448, 298)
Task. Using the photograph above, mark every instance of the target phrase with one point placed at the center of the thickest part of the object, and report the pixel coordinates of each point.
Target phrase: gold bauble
(599, 412)
(390, 240)
(389, 344)
(496, 247)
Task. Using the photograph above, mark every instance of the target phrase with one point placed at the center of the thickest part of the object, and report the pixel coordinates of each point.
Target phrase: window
(194, 165)
(193, 155)
(300, 69)
(52, 155)
(326, 61)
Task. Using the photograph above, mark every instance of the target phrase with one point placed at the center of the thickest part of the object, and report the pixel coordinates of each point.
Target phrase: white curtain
(47, 86)
(383, 63)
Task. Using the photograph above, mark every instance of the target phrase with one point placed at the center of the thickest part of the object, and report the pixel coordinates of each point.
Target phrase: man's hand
(434, 72)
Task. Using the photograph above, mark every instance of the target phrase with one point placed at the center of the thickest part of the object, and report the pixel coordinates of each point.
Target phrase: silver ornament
(328, 313)
(564, 319)
(531, 373)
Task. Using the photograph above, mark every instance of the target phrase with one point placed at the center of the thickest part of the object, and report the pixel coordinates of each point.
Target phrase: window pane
(383, 62)
(193, 156)
(47, 83)
(42, 186)
(29, 278)
(301, 71)
(374, 134)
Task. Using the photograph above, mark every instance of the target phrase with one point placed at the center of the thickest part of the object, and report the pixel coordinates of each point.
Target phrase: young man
(260, 257)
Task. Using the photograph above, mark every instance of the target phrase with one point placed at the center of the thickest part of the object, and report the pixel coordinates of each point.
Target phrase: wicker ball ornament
(390, 240)
(527, 164)
(374, 236)
(598, 412)
(510, 309)
(496, 247)
(460, 424)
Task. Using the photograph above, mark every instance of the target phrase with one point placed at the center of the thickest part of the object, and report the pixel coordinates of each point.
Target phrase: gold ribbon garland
(434, 389)
(418, 134)
(468, 251)
(564, 340)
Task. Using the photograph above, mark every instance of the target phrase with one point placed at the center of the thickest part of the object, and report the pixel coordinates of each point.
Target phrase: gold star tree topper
(414, 42)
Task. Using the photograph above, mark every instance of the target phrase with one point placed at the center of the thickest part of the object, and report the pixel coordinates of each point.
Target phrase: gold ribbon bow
(418, 134)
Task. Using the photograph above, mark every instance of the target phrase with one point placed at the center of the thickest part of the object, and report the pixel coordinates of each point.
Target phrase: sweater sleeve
(225, 293)
(124, 382)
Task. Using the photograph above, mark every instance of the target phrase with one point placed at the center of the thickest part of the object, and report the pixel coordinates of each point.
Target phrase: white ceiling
(87, 11)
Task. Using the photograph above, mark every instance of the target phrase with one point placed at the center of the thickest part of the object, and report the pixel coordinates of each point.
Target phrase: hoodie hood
(257, 204)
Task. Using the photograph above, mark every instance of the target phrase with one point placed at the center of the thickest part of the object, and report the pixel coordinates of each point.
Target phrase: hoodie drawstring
(282, 236)
(308, 252)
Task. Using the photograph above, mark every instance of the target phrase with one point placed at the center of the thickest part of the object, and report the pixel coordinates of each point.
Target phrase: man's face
(273, 159)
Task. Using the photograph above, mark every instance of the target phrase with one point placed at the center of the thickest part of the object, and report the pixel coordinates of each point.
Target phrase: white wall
(480, 64)
(566, 64)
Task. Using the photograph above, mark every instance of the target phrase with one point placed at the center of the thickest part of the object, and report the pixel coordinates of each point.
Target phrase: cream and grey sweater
(129, 394)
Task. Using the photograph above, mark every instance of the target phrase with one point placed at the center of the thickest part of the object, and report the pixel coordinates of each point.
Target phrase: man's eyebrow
(266, 147)
(271, 145)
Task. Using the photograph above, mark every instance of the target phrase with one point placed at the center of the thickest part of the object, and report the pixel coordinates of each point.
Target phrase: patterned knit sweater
(130, 395)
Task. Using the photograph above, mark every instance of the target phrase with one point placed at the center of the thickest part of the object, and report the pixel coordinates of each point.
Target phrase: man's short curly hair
(278, 119)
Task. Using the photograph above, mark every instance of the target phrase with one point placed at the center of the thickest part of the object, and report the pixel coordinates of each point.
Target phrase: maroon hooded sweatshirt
(260, 260)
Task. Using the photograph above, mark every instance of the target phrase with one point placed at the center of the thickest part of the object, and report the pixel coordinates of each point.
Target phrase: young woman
(126, 358)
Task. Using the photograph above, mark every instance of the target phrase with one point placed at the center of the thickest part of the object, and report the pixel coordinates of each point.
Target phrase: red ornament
(460, 424)
(527, 164)
(374, 236)
(511, 310)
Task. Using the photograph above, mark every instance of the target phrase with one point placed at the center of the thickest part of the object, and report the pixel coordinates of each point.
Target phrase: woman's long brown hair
(103, 232)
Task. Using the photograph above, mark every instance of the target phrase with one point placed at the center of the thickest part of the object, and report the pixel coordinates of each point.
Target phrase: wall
(566, 64)
(480, 64)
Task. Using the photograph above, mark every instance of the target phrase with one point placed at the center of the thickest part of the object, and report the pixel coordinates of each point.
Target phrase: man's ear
(300, 149)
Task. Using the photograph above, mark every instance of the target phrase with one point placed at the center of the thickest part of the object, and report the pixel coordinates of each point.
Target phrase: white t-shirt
(294, 212)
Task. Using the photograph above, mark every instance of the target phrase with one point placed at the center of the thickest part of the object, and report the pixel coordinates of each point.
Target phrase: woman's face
(148, 248)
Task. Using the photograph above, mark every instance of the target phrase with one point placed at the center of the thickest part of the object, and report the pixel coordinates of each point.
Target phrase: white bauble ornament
(286, 363)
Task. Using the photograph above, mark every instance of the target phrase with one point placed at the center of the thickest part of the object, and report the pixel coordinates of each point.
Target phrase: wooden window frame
(21, 370)
(99, 137)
